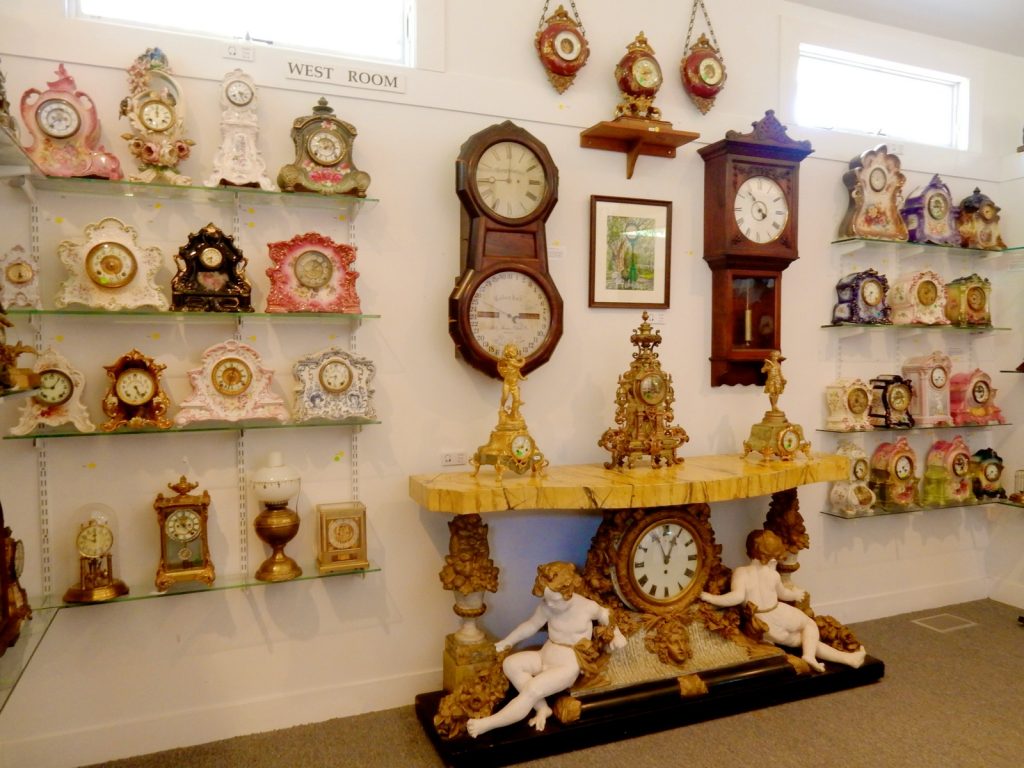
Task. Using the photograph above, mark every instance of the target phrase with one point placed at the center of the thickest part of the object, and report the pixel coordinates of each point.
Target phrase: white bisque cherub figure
(570, 619)
(759, 583)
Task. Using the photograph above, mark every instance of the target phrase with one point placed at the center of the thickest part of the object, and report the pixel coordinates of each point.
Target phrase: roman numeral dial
(511, 179)
(760, 209)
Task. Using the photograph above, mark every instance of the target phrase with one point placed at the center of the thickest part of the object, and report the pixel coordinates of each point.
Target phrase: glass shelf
(908, 429)
(15, 391)
(917, 327)
(215, 426)
(867, 242)
(889, 511)
(134, 315)
(14, 662)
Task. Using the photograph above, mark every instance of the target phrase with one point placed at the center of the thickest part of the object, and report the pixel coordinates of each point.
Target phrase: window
(843, 91)
(374, 30)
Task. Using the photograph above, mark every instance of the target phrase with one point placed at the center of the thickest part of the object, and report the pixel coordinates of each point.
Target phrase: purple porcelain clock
(312, 273)
(861, 298)
(930, 215)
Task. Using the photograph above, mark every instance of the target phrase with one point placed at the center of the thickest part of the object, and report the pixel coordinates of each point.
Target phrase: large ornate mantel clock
(508, 185)
(751, 195)
(211, 274)
(323, 156)
(875, 183)
(184, 546)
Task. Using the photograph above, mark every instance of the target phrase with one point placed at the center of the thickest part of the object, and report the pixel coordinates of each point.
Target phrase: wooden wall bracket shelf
(635, 137)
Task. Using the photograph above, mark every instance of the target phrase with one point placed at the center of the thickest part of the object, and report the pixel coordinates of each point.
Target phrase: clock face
(664, 562)
(899, 397)
(877, 179)
(58, 118)
(335, 376)
(652, 388)
(904, 467)
(313, 269)
(110, 265)
(938, 377)
(521, 446)
(325, 147)
(183, 525)
(981, 392)
(55, 387)
(156, 116)
(568, 45)
(135, 386)
(992, 471)
(871, 292)
(927, 292)
(711, 71)
(94, 540)
(511, 179)
(19, 558)
(211, 257)
(857, 400)
(976, 298)
(789, 441)
(239, 92)
(761, 209)
(860, 469)
(19, 272)
(231, 376)
(937, 206)
(509, 307)
(961, 462)
(343, 533)
(647, 73)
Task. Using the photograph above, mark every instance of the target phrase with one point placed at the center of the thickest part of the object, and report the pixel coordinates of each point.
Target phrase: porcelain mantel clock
(211, 274)
(508, 185)
(19, 279)
(58, 400)
(751, 196)
(134, 398)
(335, 385)
(323, 156)
(238, 162)
(875, 183)
(312, 273)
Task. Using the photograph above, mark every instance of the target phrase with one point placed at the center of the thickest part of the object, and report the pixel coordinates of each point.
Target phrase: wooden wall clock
(211, 274)
(59, 398)
(312, 273)
(751, 200)
(135, 398)
(19, 279)
(66, 131)
(508, 185)
(323, 156)
(184, 541)
(875, 185)
(239, 162)
(14, 608)
(335, 385)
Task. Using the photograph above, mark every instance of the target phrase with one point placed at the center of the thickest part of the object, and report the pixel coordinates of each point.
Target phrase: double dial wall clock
(893, 475)
(929, 381)
(874, 182)
(968, 301)
(156, 114)
(66, 131)
(58, 400)
(930, 215)
(562, 46)
(508, 185)
(239, 162)
(183, 520)
(751, 200)
(861, 299)
(333, 384)
(135, 398)
(852, 496)
(14, 607)
(312, 273)
(211, 274)
(972, 399)
(19, 279)
(978, 222)
(341, 537)
(323, 156)
(95, 543)
(108, 269)
(918, 298)
(947, 474)
(231, 385)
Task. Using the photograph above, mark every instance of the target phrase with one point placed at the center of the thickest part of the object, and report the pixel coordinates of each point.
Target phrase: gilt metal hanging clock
(702, 68)
(562, 46)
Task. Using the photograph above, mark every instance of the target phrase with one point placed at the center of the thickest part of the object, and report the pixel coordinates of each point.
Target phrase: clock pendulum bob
(277, 524)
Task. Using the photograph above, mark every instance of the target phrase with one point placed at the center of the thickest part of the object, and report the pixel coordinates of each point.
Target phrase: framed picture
(630, 252)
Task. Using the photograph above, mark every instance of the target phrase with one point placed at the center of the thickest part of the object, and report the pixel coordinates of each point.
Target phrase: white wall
(117, 680)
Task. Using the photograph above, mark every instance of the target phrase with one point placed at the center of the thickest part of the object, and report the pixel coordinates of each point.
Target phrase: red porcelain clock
(562, 46)
(312, 273)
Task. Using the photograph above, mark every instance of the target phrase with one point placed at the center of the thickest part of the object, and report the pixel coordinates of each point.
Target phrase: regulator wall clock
(238, 161)
(972, 399)
(861, 298)
(135, 398)
(986, 473)
(58, 400)
(183, 520)
(968, 301)
(893, 474)
(323, 156)
(751, 200)
(508, 185)
(108, 269)
(930, 215)
(312, 273)
(875, 183)
(211, 274)
(848, 401)
(702, 67)
(156, 114)
(19, 279)
(918, 298)
(341, 537)
(561, 45)
(66, 131)
(947, 474)
(231, 385)
(853, 496)
(929, 377)
(96, 581)
(335, 385)
(14, 608)
(891, 395)
(978, 222)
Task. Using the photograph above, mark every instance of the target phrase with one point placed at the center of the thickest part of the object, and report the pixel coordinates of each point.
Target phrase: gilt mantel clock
(751, 196)
(508, 185)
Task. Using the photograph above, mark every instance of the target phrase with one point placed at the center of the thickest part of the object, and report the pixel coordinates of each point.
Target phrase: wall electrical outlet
(239, 51)
(453, 459)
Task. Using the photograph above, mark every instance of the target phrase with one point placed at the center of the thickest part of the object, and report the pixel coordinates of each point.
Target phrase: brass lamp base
(277, 525)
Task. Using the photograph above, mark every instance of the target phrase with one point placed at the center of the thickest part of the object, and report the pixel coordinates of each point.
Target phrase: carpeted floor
(952, 696)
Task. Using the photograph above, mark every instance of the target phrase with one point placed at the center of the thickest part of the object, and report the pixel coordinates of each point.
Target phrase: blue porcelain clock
(930, 215)
(333, 384)
(861, 298)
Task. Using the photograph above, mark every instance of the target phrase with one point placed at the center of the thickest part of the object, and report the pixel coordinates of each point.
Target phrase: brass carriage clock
(184, 546)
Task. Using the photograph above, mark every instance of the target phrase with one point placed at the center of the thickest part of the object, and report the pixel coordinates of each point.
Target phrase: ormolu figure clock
(134, 398)
(508, 185)
(184, 542)
(751, 197)
(211, 274)
(323, 156)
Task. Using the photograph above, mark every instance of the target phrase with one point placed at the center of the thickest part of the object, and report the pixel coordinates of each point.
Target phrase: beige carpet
(952, 696)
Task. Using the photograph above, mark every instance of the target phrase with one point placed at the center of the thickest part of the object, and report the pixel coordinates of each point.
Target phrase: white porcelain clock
(312, 273)
(918, 298)
(238, 162)
(19, 279)
(848, 401)
(108, 269)
(929, 377)
(231, 385)
(333, 384)
(852, 496)
(59, 397)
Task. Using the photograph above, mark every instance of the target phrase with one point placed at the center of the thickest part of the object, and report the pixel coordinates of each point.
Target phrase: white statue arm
(530, 627)
(790, 595)
(736, 595)
(604, 618)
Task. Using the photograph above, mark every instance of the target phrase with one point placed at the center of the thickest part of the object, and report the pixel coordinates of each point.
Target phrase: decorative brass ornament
(184, 546)
(702, 68)
(774, 437)
(643, 408)
(561, 45)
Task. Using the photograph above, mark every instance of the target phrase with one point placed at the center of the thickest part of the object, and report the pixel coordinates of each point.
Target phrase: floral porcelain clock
(333, 384)
(156, 114)
(19, 279)
(860, 298)
(930, 215)
(848, 401)
(874, 182)
(108, 269)
(231, 385)
(968, 301)
(323, 156)
(947, 474)
(978, 222)
(312, 273)
(238, 162)
(852, 497)
(58, 400)
(972, 399)
(893, 477)
(66, 131)
(918, 298)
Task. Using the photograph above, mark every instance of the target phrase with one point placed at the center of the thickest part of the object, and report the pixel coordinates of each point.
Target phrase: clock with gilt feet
(312, 273)
(135, 398)
(183, 520)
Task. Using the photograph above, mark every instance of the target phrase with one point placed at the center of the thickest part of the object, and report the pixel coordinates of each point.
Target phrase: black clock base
(642, 709)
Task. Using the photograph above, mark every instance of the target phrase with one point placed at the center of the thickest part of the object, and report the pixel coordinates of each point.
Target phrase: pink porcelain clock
(312, 273)
(66, 131)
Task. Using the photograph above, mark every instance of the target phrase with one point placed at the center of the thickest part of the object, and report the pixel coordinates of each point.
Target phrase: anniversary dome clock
(861, 299)
(930, 215)
(508, 185)
(643, 409)
(978, 222)
(335, 385)
(972, 399)
(14, 607)
(987, 473)
(929, 381)
(58, 400)
(968, 301)
(183, 520)
(751, 199)
(312, 273)
(134, 398)
(211, 274)
(853, 496)
(323, 156)
(238, 162)
(156, 113)
(947, 474)
(19, 279)
(875, 183)
(95, 543)
(892, 475)
(66, 131)
(562, 46)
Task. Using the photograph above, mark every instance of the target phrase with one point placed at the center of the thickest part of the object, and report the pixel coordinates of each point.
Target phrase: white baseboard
(892, 603)
(1009, 592)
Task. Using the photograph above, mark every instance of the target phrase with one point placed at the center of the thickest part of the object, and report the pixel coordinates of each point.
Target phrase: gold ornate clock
(702, 68)
(508, 185)
(775, 437)
(643, 408)
(342, 537)
(751, 197)
(135, 398)
(96, 580)
(875, 184)
(323, 156)
(184, 543)
(14, 608)
(211, 274)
